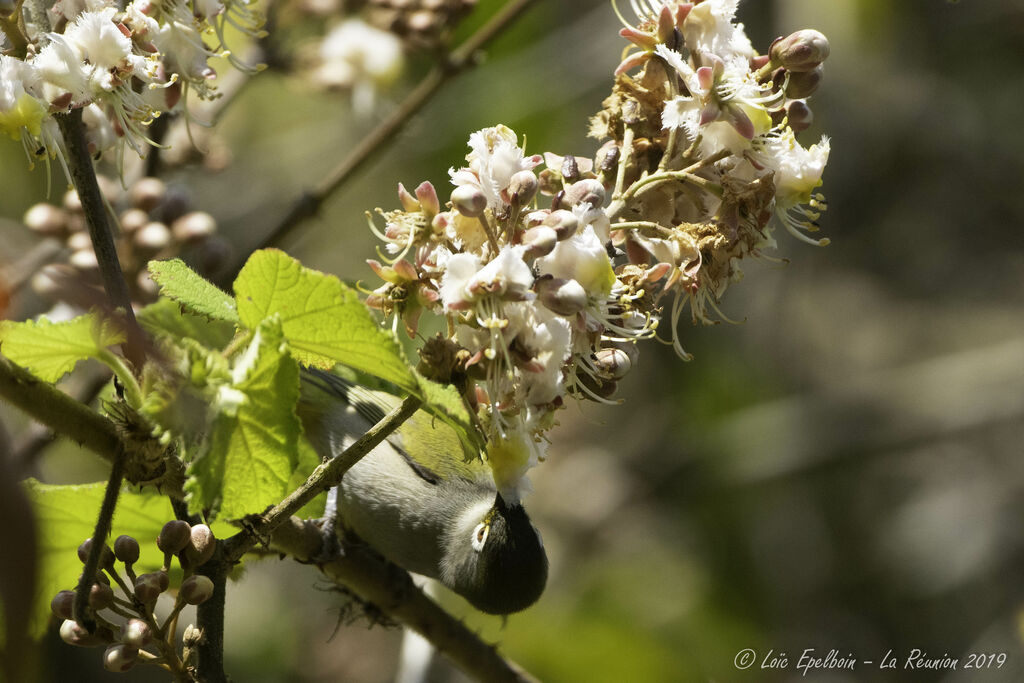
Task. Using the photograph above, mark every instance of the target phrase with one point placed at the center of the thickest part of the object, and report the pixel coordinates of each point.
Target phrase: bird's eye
(480, 536)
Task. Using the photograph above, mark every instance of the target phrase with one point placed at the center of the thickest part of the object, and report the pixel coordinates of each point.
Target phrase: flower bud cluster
(122, 64)
(127, 624)
(155, 222)
(548, 269)
(707, 128)
(418, 23)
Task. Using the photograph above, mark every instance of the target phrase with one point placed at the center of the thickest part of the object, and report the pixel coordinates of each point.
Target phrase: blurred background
(842, 470)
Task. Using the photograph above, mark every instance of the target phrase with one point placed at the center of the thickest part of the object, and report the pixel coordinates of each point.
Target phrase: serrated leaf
(165, 318)
(66, 516)
(323, 320)
(179, 282)
(51, 350)
(253, 446)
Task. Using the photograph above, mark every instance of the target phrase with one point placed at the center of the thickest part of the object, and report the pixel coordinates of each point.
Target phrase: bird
(420, 503)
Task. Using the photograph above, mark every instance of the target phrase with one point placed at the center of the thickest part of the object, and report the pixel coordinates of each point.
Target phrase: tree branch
(326, 475)
(390, 588)
(458, 61)
(58, 411)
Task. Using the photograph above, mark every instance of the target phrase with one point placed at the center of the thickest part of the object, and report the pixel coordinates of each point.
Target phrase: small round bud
(120, 657)
(539, 241)
(46, 219)
(133, 219)
(126, 549)
(77, 241)
(61, 604)
(804, 83)
(613, 363)
(800, 51)
(174, 536)
(71, 201)
(137, 633)
(148, 587)
(147, 193)
(152, 236)
(522, 188)
(563, 222)
(106, 555)
(588, 191)
(201, 545)
(194, 226)
(468, 200)
(73, 633)
(196, 589)
(146, 284)
(562, 296)
(799, 115)
(84, 260)
(101, 596)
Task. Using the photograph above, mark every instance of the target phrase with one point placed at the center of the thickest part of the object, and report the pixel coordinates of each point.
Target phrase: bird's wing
(432, 448)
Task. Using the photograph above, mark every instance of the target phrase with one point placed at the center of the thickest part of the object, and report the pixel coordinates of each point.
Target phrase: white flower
(97, 40)
(583, 258)
(495, 158)
(19, 109)
(798, 171)
(506, 277)
(709, 28)
(355, 55)
(62, 72)
(546, 338)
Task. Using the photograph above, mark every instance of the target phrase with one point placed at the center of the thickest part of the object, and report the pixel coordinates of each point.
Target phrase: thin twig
(326, 475)
(93, 206)
(390, 588)
(80, 606)
(458, 61)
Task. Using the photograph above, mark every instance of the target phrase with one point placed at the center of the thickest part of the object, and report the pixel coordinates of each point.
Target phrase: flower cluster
(122, 64)
(548, 269)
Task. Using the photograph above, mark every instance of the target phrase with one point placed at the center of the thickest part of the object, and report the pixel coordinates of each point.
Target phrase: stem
(10, 25)
(132, 391)
(99, 543)
(624, 159)
(390, 588)
(326, 475)
(93, 206)
(458, 61)
(642, 225)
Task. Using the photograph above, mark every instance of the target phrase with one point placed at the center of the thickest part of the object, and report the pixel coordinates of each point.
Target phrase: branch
(58, 411)
(390, 588)
(326, 475)
(84, 176)
(210, 620)
(458, 61)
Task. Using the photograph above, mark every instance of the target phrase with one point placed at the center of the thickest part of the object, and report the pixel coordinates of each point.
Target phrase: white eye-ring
(480, 535)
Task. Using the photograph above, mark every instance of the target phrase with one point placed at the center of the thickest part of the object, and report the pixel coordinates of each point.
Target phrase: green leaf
(253, 445)
(323, 320)
(179, 282)
(166, 319)
(51, 350)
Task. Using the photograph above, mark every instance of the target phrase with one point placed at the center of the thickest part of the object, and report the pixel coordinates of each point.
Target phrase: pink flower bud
(174, 536)
(562, 296)
(120, 657)
(201, 544)
(196, 589)
(804, 83)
